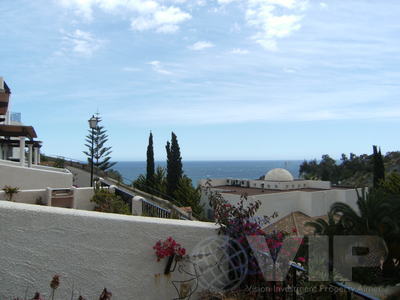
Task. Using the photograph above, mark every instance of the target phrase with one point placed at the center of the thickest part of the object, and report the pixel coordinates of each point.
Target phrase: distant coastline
(196, 170)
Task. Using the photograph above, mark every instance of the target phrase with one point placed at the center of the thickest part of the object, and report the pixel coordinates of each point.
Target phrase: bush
(10, 192)
(110, 203)
(59, 163)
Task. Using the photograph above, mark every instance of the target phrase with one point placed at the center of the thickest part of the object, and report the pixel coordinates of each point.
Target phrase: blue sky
(234, 79)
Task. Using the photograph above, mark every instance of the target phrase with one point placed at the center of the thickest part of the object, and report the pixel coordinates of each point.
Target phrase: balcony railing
(153, 210)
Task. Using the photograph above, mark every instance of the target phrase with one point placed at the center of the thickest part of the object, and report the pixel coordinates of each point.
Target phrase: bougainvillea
(240, 221)
(167, 248)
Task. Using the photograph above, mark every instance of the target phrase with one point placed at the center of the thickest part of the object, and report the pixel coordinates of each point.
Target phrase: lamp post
(92, 124)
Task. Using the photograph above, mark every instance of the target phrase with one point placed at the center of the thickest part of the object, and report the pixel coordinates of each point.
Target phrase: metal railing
(166, 201)
(153, 210)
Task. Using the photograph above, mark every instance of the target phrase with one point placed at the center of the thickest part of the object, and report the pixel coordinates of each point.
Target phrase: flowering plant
(239, 222)
(167, 248)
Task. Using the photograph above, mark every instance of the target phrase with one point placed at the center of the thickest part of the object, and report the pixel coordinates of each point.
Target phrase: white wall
(26, 196)
(33, 178)
(90, 249)
(312, 204)
(267, 184)
(82, 197)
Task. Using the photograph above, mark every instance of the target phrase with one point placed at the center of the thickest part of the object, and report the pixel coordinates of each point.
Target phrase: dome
(279, 174)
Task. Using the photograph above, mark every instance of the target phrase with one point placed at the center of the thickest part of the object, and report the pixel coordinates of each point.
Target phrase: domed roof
(279, 174)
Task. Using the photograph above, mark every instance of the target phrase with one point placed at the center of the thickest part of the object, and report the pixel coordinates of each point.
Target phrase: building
(280, 193)
(20, 152)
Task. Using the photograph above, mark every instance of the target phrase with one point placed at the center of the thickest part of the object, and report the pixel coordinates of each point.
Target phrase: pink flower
(301, 259)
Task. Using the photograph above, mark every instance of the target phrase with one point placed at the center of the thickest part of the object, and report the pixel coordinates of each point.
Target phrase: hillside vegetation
(352, 170)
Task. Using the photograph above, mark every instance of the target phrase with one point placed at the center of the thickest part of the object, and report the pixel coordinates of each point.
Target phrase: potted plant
(171, 249)
(10, 191)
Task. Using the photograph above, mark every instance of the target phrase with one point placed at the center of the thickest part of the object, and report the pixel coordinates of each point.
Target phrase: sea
(197, 170)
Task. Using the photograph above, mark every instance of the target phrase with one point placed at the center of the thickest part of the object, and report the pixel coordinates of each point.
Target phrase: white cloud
(271, 26)
(201, 45)
(164, 20)
(155, 15)
(80, 42)
(157, 67)
(239, 51)
(273, 19)
(323, 5)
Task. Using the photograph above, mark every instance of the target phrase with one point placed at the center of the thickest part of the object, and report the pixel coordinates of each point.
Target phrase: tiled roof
(295, 220)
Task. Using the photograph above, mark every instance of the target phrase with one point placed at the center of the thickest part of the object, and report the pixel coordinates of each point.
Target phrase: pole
(91, 165)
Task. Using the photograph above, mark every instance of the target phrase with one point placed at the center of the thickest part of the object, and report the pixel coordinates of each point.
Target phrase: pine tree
(101, 153)
(150, 162)
(174, 165)
(378, 167)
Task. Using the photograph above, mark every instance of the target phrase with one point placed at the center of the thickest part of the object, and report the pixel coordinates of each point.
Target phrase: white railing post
(49, 196)
(137, 206)
(74, 195)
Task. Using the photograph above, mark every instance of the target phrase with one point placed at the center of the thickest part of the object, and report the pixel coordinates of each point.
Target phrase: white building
(280, 193)
(20, 153)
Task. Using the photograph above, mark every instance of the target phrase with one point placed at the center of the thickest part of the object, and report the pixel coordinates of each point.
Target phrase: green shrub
(10, 191)
(59, 163)
(109, 202)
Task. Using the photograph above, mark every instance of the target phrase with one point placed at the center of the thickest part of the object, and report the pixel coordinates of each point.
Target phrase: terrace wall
(310, 203)
(36, 177)
(90, 250)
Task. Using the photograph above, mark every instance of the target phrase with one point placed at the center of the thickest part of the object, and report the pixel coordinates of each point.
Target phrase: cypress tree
(150, 162)
(378, 167)
(174, 165)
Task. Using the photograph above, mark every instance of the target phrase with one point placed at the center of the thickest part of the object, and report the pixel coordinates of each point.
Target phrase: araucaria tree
(101, 153)
(378, 167)
(150, 162)
(174, 165)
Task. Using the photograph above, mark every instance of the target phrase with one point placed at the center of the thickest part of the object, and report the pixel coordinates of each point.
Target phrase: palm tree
(330, 228)
(378, 214)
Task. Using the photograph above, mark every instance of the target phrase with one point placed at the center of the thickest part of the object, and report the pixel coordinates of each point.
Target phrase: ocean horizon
(196, 170)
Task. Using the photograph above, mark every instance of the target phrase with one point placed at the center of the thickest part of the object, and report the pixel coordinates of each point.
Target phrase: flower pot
(169, 264)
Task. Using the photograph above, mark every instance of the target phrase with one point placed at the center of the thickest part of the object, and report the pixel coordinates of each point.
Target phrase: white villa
(280, 193)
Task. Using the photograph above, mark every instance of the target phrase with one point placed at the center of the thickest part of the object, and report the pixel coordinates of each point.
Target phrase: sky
(234, 79)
